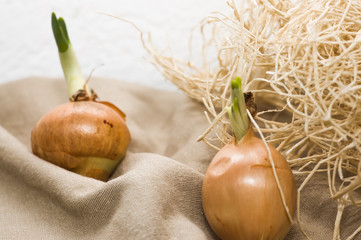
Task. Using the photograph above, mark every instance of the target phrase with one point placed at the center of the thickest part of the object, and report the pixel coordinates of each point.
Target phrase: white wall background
(27, 47)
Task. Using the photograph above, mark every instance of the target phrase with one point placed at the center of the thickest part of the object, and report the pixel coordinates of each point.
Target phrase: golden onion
(86, 137)
(240, 195)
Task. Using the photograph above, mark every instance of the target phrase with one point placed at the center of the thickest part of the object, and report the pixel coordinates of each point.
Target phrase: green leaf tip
(63, 27)
(60, 33)
(236, 83)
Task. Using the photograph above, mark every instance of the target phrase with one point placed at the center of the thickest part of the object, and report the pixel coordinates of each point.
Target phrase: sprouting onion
(85, 136)
(249, 191)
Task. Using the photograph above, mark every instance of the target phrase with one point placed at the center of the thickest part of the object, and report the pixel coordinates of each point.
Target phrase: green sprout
(238, 111)
(69, 62)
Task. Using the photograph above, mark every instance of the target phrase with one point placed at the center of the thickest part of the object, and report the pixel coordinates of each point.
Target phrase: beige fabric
(154, 194)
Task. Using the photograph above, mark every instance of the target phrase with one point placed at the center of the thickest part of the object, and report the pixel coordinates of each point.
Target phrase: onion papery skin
(240, 196)
(86, 137)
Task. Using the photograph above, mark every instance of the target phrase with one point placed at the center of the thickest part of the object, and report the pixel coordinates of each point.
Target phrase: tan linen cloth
(155, 192)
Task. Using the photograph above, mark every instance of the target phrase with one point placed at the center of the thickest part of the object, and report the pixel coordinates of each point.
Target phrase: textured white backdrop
(27, 47)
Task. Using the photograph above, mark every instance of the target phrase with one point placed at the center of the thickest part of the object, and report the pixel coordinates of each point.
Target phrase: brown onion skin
(74, 132)
(240, 195)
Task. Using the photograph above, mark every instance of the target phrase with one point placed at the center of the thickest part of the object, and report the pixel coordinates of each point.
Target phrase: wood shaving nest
(302, 60)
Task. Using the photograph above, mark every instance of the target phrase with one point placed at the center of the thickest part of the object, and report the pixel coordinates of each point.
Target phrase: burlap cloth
(154, 194)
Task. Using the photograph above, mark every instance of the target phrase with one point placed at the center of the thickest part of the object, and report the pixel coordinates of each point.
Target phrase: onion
(84, 136)
(243, 198)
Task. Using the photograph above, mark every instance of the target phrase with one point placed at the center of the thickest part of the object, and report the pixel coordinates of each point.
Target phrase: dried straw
(302, 59)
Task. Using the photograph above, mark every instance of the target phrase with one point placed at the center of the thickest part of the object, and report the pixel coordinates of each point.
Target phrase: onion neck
(72, 72)
(71, 68)
(237, 112)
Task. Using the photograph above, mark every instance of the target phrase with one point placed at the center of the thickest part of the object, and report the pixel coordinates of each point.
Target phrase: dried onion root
(302, 60)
